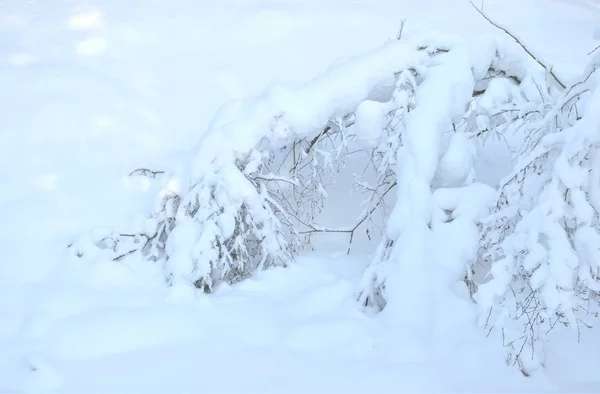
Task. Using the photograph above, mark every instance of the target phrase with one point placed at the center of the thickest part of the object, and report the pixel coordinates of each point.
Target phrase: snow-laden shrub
(540, 244)
(248, 197)
(418, 108)
(543, 237)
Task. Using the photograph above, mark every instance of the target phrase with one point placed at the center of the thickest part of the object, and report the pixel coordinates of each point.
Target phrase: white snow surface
(91, 90)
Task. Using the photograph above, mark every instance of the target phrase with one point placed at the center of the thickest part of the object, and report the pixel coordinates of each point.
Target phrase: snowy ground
(90, 90)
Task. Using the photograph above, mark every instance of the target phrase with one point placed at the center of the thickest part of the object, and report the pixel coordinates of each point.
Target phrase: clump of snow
(456, 166)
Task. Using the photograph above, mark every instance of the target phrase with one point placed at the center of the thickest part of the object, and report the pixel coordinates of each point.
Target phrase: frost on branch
(542, 239)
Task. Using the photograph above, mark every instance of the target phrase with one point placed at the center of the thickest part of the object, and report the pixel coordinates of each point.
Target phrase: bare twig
(314, 140)
(145, 172)
(125, 254)
(351, 230)
(522, 45)
(399, 35)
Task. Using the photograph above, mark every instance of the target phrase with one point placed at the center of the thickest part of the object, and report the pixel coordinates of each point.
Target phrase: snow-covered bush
(418, 108)
(543, 237)
(249, 195)
(540, 244)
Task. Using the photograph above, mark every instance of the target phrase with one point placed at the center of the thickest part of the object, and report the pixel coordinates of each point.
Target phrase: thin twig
(125, 254)
(549, 70)
(350, 231)
(399, 35)
(594, 50)
(145, 172)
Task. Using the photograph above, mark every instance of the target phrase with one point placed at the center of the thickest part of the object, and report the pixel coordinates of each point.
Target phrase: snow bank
(101, 332)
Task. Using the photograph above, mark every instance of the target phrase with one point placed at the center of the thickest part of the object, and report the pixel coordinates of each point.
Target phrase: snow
(93, 90)
(455, 167)
(302, 318)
